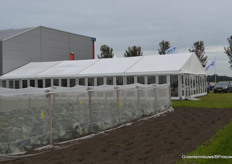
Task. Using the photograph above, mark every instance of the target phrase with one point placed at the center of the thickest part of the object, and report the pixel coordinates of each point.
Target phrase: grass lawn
(212, 100)
(221, 142)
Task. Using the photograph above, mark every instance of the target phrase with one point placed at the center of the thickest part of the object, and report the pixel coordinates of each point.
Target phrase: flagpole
(215, 70)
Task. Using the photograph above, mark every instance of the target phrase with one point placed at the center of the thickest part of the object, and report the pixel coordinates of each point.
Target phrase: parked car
(207, 87)
(223, 87)
(212, 85)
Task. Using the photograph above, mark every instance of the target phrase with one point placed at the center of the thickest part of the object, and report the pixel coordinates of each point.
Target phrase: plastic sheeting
(31, 117)
(26, 92)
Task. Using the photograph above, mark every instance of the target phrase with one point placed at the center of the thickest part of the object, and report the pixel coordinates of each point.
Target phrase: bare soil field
(156, 140)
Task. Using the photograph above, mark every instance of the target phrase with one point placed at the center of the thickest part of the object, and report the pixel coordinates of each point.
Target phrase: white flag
(212, 65)
(171, 50)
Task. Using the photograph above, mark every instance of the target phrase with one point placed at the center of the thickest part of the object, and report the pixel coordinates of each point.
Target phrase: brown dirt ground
(157, 140)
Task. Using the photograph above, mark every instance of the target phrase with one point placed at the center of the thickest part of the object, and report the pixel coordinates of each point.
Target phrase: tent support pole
(50, 117)
(90, 110)
(118, 104)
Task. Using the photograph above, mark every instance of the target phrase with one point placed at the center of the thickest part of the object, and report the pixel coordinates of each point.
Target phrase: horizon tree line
(228, 50)
(198, 48)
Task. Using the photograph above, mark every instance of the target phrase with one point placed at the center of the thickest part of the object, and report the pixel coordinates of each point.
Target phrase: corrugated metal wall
(21, 50)
(44, 44)
(0, 57)
(81, 46)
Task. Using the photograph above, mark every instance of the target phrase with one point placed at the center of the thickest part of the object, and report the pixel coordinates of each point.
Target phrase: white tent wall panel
(188, 92)
(180, 96)
(187, 87)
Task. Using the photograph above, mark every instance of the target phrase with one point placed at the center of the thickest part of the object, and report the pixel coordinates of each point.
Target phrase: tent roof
(30, 70)
(67, 68)
(142, 65)
(110, 67)
(160, 64)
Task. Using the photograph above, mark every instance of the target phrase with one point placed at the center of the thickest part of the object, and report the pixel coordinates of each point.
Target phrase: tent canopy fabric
(160, 64)
(30, 70)
(193, 66)
(67, 68)
(110, 67)
(142, 65)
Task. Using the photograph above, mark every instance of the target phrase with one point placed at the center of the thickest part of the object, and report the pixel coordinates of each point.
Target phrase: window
(24, 83)
(151, 80)
(99, 81)
(16, 84)
(55, 82)
(90, 81)
(174, 85)
(72, 82)
(4, 84)
(187, 85)
(140, 79)
(81, 81)
(182, 84)
(47, 83)
(32, 83)
(109, 80)
(11, 84)
(119, 80)
(162, 79)
(64, 82)
(130, 79)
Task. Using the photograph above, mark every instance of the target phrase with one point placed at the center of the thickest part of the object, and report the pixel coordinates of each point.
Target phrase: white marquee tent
(184, 72)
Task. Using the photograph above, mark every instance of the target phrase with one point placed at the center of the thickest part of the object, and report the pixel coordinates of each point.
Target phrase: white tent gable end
(193, 66)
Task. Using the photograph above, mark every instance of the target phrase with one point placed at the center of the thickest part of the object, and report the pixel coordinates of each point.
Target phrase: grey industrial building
(37, 44)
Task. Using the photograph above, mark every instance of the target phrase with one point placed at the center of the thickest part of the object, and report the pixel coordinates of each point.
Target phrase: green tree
(199, 49)
(228, 50)
(106, 52)
(164, 45)
(133, 51)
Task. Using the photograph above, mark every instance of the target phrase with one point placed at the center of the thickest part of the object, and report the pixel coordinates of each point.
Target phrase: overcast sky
(123, 23)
